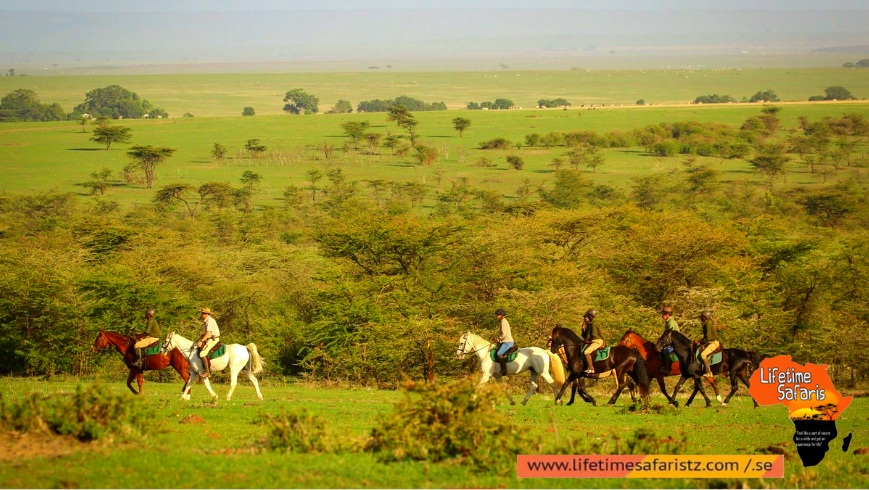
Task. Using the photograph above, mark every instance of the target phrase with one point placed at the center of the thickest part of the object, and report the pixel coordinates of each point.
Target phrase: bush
(450, 422)
(90, 414)
(299, 432)
(515, 162)
(496, 144)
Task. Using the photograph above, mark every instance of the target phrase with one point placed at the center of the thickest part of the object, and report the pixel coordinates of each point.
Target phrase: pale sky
(82, 32)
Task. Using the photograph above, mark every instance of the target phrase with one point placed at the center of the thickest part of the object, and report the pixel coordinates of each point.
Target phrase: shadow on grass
(86, 149)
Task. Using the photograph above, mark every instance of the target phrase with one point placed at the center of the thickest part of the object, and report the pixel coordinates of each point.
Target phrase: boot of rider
(206, 363)
(708, 367)
(138, 362)
(502, 360)
(589, 364)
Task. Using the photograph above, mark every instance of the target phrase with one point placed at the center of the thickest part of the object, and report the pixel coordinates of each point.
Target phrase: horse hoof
(609, 404)
(260, 397)
(569, 403)
(723, 404)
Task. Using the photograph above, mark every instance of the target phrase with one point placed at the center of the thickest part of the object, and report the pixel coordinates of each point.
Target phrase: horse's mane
(677, 335)
(647, 344)
(570, 335)
(116, 335)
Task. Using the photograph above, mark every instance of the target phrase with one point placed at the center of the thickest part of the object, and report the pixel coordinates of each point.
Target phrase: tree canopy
(300, 102)
(116, 102)
(23, 105)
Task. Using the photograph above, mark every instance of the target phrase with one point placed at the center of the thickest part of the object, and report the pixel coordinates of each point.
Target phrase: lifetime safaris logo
(812, 401)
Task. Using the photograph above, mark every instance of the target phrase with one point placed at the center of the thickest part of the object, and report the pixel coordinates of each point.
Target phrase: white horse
(236, 357)
(538, 361)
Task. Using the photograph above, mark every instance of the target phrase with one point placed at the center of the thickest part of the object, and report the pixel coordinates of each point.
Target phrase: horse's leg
(676, 389)
(714, 386)
(744, 380)
(208, 387)
(531, 388)
(130, 382)
(576, 382)
(140, 379)
(663, 385)
(185, 391)
(621, 383)
(233, 381)
(567, 382)
(734, 386)
(584, 394)
(698, 386)
(551, 382)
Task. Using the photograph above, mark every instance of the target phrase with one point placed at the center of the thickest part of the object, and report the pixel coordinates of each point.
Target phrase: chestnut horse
(653, 360)
(153, 362)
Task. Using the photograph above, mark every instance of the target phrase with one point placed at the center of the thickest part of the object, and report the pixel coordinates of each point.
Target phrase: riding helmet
(705, 315)
(150, 312)
(590, 314)
(667, 310)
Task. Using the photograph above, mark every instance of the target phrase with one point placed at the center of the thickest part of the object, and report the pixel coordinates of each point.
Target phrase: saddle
(714, 358)
(151, 349)
(510, 355)
(218, 350)
(600, 354)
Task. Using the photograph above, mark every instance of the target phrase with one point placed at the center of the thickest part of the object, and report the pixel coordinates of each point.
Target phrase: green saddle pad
(713, 358)
(493, 354)
(217, 352)
(151, 350)
(600, 355)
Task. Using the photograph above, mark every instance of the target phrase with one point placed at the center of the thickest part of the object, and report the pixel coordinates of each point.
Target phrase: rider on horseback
(669, 324)
(709, 342)
(505, 338)
(210, 337)
(151, 335)
(592, 337)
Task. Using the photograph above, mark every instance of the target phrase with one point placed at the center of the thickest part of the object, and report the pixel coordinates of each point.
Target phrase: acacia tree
(770, 160)
(355, 130)
(404, 119)
(148, 157)
(460, 124)
(300, 102)
(106, 134)
(178, 193)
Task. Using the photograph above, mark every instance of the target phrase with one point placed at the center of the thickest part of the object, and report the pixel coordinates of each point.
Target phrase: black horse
(737, 364)
(621, 361)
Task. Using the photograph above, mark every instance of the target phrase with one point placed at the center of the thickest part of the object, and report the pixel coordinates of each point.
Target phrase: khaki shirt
(210, 325)
(506, 335)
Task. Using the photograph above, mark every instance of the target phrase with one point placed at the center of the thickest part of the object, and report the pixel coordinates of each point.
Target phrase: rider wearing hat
(709, 342)
(592, 337)
(669, 324)
(151, 335)
(505, 337)
(210, 337)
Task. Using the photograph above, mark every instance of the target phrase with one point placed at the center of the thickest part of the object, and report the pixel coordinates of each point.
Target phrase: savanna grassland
(356, 267)
(234, 444)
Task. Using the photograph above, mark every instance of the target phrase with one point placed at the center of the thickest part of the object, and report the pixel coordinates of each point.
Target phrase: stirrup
(589, 371)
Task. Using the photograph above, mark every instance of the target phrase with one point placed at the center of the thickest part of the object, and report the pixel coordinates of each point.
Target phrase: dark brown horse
(153, 362)
(621, 362)
(735, 363)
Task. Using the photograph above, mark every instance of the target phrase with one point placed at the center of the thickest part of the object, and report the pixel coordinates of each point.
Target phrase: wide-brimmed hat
(205, 310)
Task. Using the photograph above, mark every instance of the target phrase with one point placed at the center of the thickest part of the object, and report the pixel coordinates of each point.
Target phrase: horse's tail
(255, 365)
(556, 370)
(642, 374)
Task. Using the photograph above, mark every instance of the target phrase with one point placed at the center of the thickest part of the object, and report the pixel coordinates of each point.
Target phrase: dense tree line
(411, 104)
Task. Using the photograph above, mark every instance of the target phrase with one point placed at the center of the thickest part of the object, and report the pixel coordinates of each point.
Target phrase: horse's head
(665, 340)
(101, 342)
(556, 341)
(464, 346)
(168, 342)
(629, 339)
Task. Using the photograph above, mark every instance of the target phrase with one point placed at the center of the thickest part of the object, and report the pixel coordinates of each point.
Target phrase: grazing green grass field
(60, 155)
(226, 447)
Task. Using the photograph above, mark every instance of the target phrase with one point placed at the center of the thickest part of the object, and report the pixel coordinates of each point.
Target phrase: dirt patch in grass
(16, 446)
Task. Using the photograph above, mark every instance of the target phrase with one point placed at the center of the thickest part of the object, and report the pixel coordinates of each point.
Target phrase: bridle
(461, 352)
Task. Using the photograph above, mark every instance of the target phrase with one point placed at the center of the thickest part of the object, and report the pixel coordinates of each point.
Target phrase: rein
(465, 342)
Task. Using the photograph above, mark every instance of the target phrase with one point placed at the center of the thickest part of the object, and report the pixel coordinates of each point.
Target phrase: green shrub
(496, 144)
(90, 414)
(458, 422)
(298, 432)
